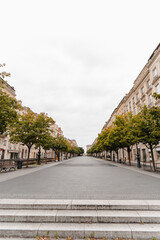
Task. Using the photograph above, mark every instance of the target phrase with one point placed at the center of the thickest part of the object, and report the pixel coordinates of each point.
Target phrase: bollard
(19, 164)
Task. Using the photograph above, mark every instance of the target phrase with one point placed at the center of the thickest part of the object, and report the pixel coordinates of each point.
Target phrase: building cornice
(154, 55)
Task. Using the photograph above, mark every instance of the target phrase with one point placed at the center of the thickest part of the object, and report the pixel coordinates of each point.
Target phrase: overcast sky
(76, 59)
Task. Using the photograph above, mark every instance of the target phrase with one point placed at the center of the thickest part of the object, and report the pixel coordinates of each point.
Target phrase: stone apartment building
(147, 82)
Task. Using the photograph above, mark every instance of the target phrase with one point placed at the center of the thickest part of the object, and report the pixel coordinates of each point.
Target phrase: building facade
(147, 82)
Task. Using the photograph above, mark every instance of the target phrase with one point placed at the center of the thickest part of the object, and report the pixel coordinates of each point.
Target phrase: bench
(7, 165)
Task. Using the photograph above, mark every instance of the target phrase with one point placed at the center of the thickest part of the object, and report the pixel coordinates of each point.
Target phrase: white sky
(76, 59)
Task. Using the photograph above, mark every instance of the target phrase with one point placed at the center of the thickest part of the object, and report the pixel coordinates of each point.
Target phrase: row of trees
(30, 128)
(35, 129)
(128, 130)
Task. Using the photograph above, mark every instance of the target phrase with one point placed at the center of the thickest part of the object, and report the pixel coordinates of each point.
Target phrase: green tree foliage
(128, 130)
(124, 132)
(59, 144)
(80, 151)
(31, 129)
(42, 127)
(148, 128)
(93, 149)
(156, 96)
(3, 74)
(8, 113)
(8, 105)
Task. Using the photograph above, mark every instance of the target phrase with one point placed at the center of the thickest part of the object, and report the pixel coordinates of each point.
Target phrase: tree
(125, 125)
(23, 131)
(93, 149)
(8, 113)
(42, 127)
(31, 129)
(156, 96)
(114, 140)
(59, 144)
(8, 106)
(80, 151)
(148, 128)
(3, 75)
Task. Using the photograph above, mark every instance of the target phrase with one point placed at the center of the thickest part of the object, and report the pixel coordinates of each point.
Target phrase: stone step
(80, 204)
(79, 216)
(80, 231)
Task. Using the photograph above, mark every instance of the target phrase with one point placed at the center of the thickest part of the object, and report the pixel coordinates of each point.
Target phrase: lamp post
(39, 155)
(138, 157)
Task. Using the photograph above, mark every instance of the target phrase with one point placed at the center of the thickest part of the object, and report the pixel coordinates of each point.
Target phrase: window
(126, 108)
(144, 102)
(134, 111)
(142, 91)
(133, 100)
(25, 153)
(150, 98)
(137, 96)
(154, 72)
(157, 89)
(148, 84)
(150, 101)
(130, 108)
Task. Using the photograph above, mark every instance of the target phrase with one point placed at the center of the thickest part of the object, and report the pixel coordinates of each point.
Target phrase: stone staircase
(79, 219)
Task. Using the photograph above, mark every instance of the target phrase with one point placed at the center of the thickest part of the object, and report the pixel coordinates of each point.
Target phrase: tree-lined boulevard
(80, 178)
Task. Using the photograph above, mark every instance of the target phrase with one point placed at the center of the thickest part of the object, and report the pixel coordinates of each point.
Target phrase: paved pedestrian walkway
(80, 178)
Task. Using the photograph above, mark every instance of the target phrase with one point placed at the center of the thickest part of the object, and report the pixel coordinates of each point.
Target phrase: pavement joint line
(131, 231)
(151, 174)
(25, 171)
(39, 228)
(139, 216)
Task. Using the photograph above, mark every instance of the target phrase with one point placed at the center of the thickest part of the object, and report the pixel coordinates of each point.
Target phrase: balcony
(149, 89)
(155, 79)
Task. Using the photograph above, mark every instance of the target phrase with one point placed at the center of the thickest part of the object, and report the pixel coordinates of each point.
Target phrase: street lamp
(138, 157)
(39, 155)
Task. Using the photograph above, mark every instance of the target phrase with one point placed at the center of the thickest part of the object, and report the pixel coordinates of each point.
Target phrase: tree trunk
(123, 155)
(117, 156)
(111, 155)
(138, 157)
(154, 167)
(58, 156)
(129, 156)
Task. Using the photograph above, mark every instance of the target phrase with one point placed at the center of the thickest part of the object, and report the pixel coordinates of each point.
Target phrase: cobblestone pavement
(80, 178)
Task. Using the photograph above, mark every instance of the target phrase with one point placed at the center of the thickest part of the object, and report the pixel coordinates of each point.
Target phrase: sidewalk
(134, 168)
(4, 176)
